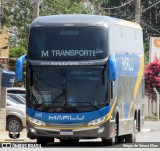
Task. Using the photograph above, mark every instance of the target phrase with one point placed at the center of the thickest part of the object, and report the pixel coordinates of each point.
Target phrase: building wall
(4, 58)
(4, 53)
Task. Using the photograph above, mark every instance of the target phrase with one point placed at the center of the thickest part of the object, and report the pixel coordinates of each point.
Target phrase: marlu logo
(66, 117)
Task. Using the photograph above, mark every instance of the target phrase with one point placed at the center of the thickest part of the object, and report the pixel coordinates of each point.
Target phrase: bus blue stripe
(68, 117)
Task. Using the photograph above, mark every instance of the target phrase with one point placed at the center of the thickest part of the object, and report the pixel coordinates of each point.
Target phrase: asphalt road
(143, 138)
(151, 138)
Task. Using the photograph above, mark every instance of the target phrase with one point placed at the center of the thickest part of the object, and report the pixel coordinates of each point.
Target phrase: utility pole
(35, 6)
(157, 94)
(138, 11)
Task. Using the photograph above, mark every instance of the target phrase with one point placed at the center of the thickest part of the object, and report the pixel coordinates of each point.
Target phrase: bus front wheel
(109, 142)
(69, 141)
(44, 141)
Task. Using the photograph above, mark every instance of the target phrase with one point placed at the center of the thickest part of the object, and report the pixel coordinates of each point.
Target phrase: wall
(4, 58)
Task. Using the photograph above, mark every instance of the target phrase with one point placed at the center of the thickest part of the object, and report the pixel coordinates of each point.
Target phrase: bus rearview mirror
(112, 68)
(19, 68)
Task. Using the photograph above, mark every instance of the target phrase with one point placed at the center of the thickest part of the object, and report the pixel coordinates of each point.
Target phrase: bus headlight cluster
(36, 121)
(97, 121)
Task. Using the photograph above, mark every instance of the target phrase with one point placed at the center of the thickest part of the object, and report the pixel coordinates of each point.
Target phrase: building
(4, 58)
(4, 52)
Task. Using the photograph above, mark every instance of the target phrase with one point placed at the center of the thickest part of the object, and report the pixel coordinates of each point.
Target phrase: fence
(152, 108)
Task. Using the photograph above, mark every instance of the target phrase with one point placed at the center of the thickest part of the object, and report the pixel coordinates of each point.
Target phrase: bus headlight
(97, 121)
(36, 121)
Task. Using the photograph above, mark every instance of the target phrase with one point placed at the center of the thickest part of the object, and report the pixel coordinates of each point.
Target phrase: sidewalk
(151, 125)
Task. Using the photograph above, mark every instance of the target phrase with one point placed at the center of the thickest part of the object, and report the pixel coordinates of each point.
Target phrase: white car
(15, 116)
(17, 90)
(16, 97)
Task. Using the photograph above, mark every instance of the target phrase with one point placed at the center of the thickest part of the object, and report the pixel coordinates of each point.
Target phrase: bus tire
(120, 139)
(139, 121)
(44, 141)
(14, 124)
(130, 138)
(109, 142)
(69, 141)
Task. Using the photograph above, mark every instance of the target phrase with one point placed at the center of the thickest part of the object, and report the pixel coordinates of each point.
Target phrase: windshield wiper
(96, 106)
(63, 92)
(106, 102)
(39, 105)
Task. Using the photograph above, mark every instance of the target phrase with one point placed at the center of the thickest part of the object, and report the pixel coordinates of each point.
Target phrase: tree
(152, 79)
(150, 18)
(17, 15)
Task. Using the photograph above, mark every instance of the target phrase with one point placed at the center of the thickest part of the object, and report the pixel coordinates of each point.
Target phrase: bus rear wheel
(139, 121)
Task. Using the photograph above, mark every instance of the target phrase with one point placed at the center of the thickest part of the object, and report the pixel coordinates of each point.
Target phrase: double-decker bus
(84, 79)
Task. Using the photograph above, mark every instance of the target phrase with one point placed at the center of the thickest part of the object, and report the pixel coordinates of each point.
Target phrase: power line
(123, 11)
(117, 6)
(149, 27)
(150, 7)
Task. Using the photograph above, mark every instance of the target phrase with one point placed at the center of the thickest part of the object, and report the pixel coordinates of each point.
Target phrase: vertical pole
(157, 94)
(0, 13)
(157, 106)
(35, 9)
(137, 11)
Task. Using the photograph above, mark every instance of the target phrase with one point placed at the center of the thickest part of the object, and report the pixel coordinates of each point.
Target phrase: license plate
(66, 132)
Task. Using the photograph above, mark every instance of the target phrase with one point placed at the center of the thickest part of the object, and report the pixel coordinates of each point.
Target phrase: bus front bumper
(87, 132)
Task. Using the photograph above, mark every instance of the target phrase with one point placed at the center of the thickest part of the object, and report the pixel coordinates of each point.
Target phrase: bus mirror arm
(112, 90)
(106, 102)
(19, 67)
(112, 68)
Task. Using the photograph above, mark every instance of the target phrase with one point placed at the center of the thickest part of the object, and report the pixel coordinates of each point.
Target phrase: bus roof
(81, 19)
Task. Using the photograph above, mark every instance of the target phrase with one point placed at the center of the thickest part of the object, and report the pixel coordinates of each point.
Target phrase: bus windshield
(67, 43)
(57, 89)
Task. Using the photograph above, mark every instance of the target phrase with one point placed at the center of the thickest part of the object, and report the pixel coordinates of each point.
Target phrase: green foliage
(51, 7)
(17, 15)
(146, 51)
(150, 17)
(17, 52)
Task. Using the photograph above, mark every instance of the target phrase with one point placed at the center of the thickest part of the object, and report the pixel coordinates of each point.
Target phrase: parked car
(17, 98)
(17, 90)
(15, 116)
